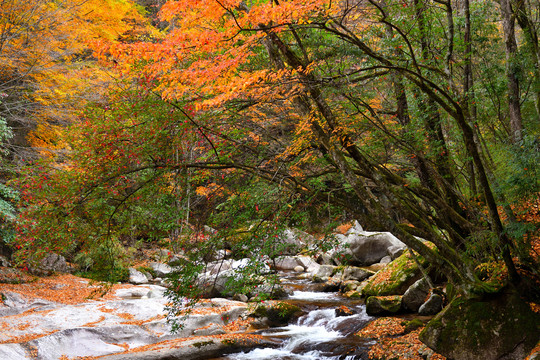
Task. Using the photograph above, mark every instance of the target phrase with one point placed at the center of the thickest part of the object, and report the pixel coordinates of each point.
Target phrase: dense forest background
(128, 123)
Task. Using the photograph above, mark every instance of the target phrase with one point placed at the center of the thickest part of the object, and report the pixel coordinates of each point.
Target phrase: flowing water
(319, 334)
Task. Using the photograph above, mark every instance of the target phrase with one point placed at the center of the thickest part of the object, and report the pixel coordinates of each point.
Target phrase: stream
(318, 334)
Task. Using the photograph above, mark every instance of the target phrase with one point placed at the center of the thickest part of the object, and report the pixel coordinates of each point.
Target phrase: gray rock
(416, 295)
(299, 269)
(386, 260)
(137, 277)
(355, 229)
(383, 305)
(133, 293)
(51, 263)
(395, 251)
(148, 276)
(240, 297)
(216, 267)
(12, 352)
(293, 240)
(432, 306)
(213, 329)
(499, 327)
(356, 273)
(368, 248)
(160, 269)
(325, 259)
(95, 328)
(308, 264)
(286, 263)
(4, 261)
(325, 271)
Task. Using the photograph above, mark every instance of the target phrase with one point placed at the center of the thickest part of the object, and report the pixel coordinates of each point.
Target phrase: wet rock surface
(98, 328)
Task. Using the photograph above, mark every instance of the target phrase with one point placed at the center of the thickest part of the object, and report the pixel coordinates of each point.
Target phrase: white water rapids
(318, 335)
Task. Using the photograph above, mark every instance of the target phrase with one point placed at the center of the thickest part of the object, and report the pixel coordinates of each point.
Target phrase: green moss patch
(395, 278)
(502, 325)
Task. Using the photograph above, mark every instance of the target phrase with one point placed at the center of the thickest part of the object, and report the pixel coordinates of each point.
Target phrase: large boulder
(383, 305)
(227, 281)
(501, 327)
(160, 269)
(395, 278)
(356, 273)
(286, 263)
(324, 272)
(98, 328)
(432, 306)
(51, 263)
(368, 248)
(356, 228)
(291, 241)
(416, 295)
(308, 264)
(291, 262)
(137, 277)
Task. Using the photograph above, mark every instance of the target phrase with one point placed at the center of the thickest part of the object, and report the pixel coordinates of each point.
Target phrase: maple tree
(368, 106)
(46, 68)
(320, 111)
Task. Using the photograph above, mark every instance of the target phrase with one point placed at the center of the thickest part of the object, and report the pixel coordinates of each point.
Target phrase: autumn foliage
(295, 113)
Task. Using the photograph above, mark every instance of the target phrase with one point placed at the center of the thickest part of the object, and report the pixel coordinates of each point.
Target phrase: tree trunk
(514, 108)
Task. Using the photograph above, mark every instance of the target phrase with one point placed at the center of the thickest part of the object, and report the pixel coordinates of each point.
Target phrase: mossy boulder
(383, 305)
(277, 314)
(499, 327)
(395, 278)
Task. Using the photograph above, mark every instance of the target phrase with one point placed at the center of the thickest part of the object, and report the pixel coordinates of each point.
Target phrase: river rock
(324, 272)
(51, 263)
(500, 327)
(100, 328)
(223, 283)
(133, 293)
(416, 295)
(356, 228)
(383, 305)
(4, 261)
(356, 273)
(216, 267)
(308, 264)
(395, 251)
(368, 248)
(240, 297)
(325, 259)
(395, 278)
(286, 263)
(160, 269)
(344, 311)
(432, 306)
(137, 277)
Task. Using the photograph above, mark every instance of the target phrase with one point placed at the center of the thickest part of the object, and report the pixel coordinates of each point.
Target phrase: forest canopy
(416, 117)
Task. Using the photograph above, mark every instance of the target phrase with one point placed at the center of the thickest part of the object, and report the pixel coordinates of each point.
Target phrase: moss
(229, 342)
(353, 294)
(493, 274)
(395, 278)
(278, 314)
(378, 305)
(146, 269)
(199, 345)
(483, 328)
(412, 325)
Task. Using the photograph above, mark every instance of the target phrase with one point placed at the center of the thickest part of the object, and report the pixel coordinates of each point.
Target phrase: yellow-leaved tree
(47, 71)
